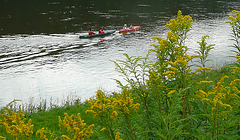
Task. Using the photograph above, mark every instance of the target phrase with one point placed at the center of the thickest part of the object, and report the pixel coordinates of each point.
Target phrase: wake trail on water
(18, 48)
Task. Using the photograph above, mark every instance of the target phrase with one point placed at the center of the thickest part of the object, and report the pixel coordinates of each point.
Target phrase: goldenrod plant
(202, 55)
(126, 107)
(234, 22)
(135, 71)
(16, 124)
(180, 26)
(104, 111)
(203, 51)
(46, 134)
(236, 68)
(75, 127)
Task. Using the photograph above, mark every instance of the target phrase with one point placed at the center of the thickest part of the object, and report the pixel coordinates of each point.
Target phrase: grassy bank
(165, 99)
(48, 119)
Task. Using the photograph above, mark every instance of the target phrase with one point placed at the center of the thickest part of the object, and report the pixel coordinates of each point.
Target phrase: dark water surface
(41, 55)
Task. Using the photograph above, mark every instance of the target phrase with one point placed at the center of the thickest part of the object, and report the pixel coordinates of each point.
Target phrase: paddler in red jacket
(101, 31)
(90, 32)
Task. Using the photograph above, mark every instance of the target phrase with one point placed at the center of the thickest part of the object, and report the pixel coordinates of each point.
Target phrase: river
(42, 57)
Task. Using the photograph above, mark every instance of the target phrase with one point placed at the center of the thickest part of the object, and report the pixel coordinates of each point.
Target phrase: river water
(41, 55)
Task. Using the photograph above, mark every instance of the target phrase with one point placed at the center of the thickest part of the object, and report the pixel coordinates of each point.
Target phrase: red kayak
(129, 29)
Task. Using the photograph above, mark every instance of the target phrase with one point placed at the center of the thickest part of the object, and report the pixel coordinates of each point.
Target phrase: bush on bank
(165, 99)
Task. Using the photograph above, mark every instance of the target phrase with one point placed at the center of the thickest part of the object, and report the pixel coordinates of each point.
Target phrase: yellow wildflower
(173, 68)
(238, 58)
(172, 37)
(65, 137)
(89, 131)
(114, 114)
(235, 81)
(42, 133)
(168, 72)
(204, 82)
(235, 12)
(1, 137)
(204, 93)
(201, 69)
(103, 129)
(136, 107)
(126, 110)
(184, 62)
(196, 56)
(225, 105)
(117, 137)
(75, 126)
(15, 125)
(188, 56)
(206, 99)
(167, 63)
(172, 91)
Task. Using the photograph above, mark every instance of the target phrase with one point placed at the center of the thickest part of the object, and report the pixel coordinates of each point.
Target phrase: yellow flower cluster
(107, 109)
(65, 137)
(232, 19)
(238, 58)
(104, 110)
(171, 92)
(117, 137)
(75, 127)
(15, 125)
(163, 45)
(182, 21)
(233, 90)
(43, 134)
(172, 37)
(196, 56)
(161, 41)
(204, 82)
(179, 67)
(103, 129)
(101, 105)
(202, 69)
(203, 93)
(153, 77)
(182, 62)
(169, 73)
(125, 103)
(236, 69)
(222, 96)
(2, 138)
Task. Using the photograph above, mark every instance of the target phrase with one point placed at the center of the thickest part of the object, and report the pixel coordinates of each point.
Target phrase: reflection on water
(41, 54)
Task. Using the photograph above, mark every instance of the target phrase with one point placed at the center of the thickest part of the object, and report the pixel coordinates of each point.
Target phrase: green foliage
(188, 103)
(204, 51)
(201, 71)
(235, 25)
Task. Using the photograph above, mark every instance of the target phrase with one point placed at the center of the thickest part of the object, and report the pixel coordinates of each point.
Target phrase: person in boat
(101, 31)
(125, 26)
(90, 32)
(131, 27)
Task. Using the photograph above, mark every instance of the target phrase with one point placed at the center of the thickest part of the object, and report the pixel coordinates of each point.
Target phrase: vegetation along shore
(164, 99)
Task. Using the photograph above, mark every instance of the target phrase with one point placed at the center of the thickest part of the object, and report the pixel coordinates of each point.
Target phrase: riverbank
(48, 119)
